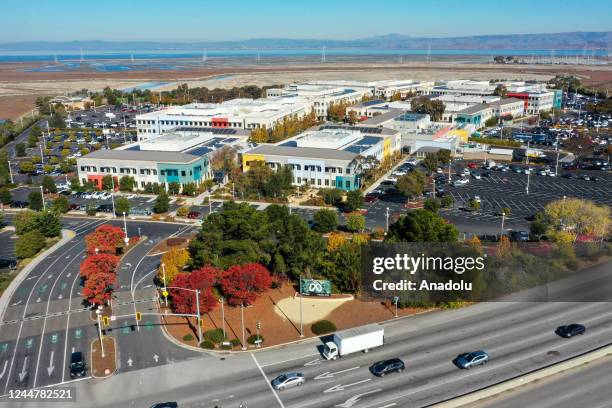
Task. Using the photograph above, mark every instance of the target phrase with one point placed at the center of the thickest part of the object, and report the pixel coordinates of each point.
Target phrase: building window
(326, 182)
(348, 184)
(183, 173)
(299, 180)
(348, 171)
(333, 183)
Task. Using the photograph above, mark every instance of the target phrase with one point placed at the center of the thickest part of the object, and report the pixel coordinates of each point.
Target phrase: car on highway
(77, 365)
(570, 330)
(469, 360)
(288, 380)
(382, 368)
(169, 404)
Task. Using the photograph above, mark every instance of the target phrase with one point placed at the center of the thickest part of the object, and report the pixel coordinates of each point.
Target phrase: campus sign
(315, 287)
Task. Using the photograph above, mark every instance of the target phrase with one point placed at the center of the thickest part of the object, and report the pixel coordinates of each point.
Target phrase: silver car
(288, 380)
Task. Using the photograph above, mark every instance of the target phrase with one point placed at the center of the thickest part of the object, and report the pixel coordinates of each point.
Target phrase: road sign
(105, 320)
(29, 343)
(54, 338)
(315, 287)
(138, 316)
(78, 333)
(165, 293)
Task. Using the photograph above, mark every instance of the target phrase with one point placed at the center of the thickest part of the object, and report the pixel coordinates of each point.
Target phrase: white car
(104, 196)
(130, 196)
(460, 182)
(88, 196)
(62, 186)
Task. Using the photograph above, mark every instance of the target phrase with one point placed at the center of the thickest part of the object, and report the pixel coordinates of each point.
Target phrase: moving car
(288, 380)
(77, 365)
(570, 330)
(170, 404)
(469, 360)
(394, 365)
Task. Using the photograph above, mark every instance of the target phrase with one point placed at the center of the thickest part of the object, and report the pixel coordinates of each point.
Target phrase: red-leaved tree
(106, 238)
(100, 263)
(243, 283)
(203, 279)
(99, 287)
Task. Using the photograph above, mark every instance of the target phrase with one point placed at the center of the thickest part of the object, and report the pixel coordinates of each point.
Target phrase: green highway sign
(3, 347)
(78, 333)
(29, 343)
(149, 325)
(54, 338)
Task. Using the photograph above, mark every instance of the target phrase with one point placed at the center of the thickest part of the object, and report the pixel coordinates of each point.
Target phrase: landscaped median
(517, 382)
(103, 359)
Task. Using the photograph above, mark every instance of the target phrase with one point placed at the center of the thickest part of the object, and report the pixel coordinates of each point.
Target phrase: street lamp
(222, 300)
(502, 223)
(387, 221)
(163, 265)
(242, 322)
(126, 239)
(98, 313)
(42, 195)
(10, 171)
(395, 301)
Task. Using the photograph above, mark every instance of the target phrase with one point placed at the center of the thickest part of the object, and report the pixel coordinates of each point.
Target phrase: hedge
(323, 327)
(207, 344)
(215, 335)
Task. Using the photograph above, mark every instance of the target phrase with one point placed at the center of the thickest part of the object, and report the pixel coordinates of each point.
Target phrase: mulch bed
(107, 365)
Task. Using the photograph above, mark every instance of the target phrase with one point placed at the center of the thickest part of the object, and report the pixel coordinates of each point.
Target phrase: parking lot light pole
(387, 221)
(126, 239)
(527, 187)
(502, 224)
(222, 300)
(98, 313)
(10, 172)
(242, 322)
(557, 164)
(42, 195)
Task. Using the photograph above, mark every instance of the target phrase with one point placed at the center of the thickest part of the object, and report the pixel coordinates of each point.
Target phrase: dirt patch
(278, 313)
(167, 244)
(103, 366)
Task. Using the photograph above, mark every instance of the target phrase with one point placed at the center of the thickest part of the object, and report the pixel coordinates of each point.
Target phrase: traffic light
(138, 316)
(106, 320)
(258, 325)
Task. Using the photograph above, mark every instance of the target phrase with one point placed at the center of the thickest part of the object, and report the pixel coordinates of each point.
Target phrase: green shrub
(323, 327)
(253, 338)
(235, 342)
(29, 244)
(182, 212)
(90, 210)
(226, 347)
(188, 337)
(207, 344)
(215, 335)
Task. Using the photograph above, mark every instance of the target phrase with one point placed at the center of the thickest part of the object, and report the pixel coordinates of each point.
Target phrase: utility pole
(301, 310)
(98, 313)
(197, 293)
(242, 321)
(222, 300)
(163, 265)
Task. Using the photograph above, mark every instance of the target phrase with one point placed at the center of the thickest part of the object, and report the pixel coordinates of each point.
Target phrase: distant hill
(572, 40)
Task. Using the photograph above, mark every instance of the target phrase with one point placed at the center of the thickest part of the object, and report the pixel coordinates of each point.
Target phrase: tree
(20, 150)
(174, 188)
(122, 205)
(29, 244)
(32, 140)
(27, 166)
(354, 200)
(241, 284)
(430, 161)
(474, 205)
(162, 203)
(98, 288)
(355, 222)
(48, 223)
(434, 109)
(48, 184)
(25, 221)
(411, 184)
(126, 183)
(492, 121)
(174, 261)
(443, 156)
(447, 201)
(577, 217)
(500, 90)
(325, 220)
(57, 121)
(335, 241)
(61, 204)
(352, 117)
(331, 196)
(225, 159)
(431, 204)
(343, 267)
(5, 196)
(203, 279)
(98, 263)
(422, 226)
(189, 189)
(106, 239)
(35, 201)
(5, 175)
(108, 183)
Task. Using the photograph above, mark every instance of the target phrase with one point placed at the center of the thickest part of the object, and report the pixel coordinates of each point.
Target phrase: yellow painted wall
(387, 148)
(249, 157)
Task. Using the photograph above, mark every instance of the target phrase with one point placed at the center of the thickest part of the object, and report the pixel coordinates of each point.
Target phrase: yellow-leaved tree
(174, 261)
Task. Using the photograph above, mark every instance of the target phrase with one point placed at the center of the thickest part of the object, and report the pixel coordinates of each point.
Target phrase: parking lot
(508, 189)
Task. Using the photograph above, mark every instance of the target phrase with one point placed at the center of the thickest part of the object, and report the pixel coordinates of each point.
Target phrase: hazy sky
(203, 20)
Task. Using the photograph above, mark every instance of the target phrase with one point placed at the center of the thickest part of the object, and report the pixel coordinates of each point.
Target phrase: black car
(519, 236)
(8, 263)
(568, 331)
(170, 404)
(380, 369)
(485, 174)
(19, 204)
(568, 175)
(77, 365)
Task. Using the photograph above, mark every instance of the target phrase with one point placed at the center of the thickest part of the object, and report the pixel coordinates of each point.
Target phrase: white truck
(349, 341)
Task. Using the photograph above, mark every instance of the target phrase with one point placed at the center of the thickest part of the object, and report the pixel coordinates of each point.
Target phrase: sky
(204, 20)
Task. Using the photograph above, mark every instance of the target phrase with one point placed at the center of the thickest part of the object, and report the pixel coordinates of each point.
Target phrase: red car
(370, 198)
(473, 165)
(194, 215)
(74, 207)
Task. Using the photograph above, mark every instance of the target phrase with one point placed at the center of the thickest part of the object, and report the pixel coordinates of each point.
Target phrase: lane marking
(268, 381)
(356, 398)
(341, 387)
(331, 375)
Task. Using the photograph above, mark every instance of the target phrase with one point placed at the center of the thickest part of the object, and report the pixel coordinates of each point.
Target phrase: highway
(586, 386)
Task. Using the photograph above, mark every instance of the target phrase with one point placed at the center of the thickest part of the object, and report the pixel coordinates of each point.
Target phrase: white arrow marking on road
(31, 277)
(51, 366)
(147, 286)
(60, 296)
(130, 361)
(4, 369)
(341, 387)
(389, 405)
(50, 276)
(313, 362)
(156, 358)
(38, 300)
(17, 303)
(23, 373)
(355, 399)
(68, 275)
(128, 264)
(67, 256)
(331, 375)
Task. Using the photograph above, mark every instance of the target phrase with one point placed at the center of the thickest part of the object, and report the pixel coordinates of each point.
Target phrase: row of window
(319, 182)
(312, 167)
(190, 123)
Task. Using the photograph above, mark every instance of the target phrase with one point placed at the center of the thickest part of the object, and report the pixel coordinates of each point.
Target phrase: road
(46, 320)
(587, 386)
(518, 336)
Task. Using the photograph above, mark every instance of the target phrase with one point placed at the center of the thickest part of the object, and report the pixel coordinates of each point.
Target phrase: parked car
(460, 182)
(194, 215)
(10, 264)
(394, 365)
(475, 175)
(74, 207)
(288, 380)
(469, 360)
(519, 236)
(77, 365)
(570, 330)
(19, 204)
(370, 198)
